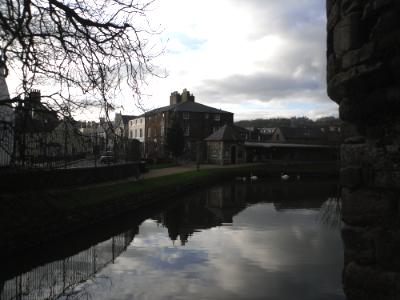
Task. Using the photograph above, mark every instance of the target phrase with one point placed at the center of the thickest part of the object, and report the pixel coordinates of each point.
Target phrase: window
(186, 115)
(141, 121)
(130, 134)
(140, 132)
(187, 131)
(217, 117)
(206, 116)
(135, 121)
(149, 132)
(135, 132)
(162, 131)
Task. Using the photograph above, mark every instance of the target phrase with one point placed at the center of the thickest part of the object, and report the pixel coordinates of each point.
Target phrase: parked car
(107, 158)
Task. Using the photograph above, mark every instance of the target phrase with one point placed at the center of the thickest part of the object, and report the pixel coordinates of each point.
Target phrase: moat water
(237, 240)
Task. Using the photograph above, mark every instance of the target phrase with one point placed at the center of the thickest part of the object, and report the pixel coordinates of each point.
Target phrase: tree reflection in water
(70, 277)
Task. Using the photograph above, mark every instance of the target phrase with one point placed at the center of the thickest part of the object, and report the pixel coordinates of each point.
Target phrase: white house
(136, 128)
(137, 131)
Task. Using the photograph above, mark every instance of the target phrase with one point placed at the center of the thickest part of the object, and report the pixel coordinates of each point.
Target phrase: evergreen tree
(175, 142)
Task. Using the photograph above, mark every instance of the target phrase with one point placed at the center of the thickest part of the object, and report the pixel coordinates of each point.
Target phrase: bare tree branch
(79, 47)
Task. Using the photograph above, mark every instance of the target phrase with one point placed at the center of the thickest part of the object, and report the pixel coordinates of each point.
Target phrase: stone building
(197, 120)
(363, 78)
(305, 135)
(34, 125)
(121, 124)
(226, 145)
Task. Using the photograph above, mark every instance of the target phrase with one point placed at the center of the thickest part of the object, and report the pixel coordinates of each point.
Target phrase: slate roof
(293, 133)
(228, 133)
(127, 118)
(188, 106)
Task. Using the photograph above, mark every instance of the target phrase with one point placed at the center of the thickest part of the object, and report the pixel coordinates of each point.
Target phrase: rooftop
(227, 133)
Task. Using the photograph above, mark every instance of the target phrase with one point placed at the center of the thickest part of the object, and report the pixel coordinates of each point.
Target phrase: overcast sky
(255, 58)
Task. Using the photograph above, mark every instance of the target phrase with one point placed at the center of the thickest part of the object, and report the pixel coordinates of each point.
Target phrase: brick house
(197, 120)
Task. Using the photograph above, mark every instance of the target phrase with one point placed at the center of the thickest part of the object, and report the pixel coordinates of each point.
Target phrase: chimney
(186, 96)
(175, 98)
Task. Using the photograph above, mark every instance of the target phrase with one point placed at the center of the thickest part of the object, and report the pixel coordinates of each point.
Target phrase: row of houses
(221, 141)
(34, 135)
(197, 121)
(34, 130)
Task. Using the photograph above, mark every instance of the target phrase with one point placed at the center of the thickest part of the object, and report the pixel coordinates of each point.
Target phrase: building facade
(121, 124)
(137, 127)
(226, 145)
(197, 121)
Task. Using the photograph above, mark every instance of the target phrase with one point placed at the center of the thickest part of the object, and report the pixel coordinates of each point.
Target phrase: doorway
(233, 155)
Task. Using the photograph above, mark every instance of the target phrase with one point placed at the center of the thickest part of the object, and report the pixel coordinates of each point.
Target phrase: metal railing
(63, 147)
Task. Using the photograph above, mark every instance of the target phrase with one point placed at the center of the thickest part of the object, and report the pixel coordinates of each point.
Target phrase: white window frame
(186, 131)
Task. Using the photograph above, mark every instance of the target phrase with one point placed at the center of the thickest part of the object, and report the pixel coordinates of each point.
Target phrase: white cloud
(234, 52)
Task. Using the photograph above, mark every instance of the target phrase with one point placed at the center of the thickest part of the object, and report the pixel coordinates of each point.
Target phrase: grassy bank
(28, 219)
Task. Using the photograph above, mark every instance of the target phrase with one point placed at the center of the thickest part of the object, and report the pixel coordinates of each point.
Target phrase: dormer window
(217, 117)
(186, 115)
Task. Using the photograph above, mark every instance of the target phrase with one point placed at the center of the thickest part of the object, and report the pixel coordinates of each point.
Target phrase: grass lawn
(161, 166)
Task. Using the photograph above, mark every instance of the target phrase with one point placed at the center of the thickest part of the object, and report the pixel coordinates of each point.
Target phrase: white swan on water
(253, 177)
(284, 176)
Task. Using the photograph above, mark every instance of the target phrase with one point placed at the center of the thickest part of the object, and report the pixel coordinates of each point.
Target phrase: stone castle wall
(363, 75)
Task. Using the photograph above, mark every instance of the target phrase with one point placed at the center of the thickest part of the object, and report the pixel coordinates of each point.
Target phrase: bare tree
(86, 49)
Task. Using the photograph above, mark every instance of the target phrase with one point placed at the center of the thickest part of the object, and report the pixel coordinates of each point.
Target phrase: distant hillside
(290, 122)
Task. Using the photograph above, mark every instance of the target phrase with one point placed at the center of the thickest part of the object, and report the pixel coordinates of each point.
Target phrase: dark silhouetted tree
(175, 142)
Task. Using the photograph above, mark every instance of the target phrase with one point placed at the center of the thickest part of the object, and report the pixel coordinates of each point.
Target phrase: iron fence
(64, 146)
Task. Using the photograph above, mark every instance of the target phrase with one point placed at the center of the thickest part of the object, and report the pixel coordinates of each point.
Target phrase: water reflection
(59, 277)
(231, 241)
